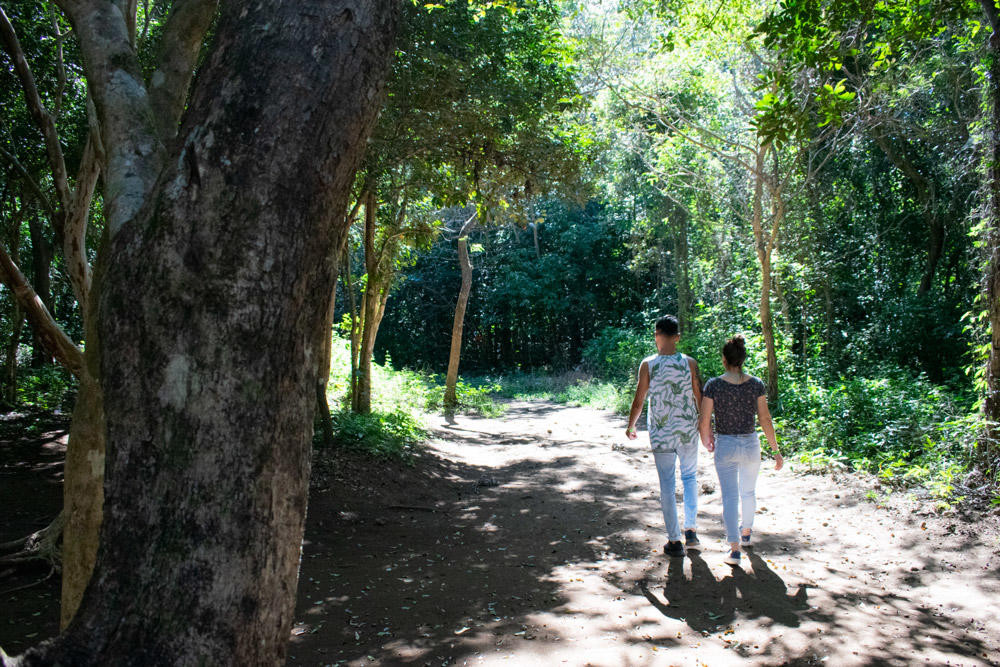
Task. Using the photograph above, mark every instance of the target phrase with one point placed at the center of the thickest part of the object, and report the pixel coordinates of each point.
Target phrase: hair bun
(735, 351)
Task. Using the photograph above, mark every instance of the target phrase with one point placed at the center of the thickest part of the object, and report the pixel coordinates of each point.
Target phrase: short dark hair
(668, 326)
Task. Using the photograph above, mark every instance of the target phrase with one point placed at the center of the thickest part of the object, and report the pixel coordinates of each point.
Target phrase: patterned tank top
(671, 415)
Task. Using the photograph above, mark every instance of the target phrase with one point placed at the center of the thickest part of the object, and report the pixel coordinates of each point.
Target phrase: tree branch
(53, 338)
(29, 180)
(134, 152)
(178, 52)
(42, 118)
(74, 241)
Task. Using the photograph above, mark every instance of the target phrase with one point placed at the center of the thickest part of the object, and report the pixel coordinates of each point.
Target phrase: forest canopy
(507, 193)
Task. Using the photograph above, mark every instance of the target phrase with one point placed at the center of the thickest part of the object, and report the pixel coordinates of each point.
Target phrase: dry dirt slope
(536, 538)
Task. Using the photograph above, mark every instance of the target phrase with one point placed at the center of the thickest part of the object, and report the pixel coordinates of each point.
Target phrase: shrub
(902, 428)
(614, 354)
(388, 435)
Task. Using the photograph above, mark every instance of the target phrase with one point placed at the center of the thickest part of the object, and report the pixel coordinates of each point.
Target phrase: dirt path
(536, 539)
(560, 562)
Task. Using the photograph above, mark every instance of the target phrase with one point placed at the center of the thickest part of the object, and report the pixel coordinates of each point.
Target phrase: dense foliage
(806, 173)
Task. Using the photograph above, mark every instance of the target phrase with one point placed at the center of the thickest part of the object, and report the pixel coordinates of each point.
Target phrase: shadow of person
(764, 593)
(701, 601)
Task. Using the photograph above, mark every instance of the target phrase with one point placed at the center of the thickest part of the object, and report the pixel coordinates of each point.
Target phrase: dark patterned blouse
(735, 405)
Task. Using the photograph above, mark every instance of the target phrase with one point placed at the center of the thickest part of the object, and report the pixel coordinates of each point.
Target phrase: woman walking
(735, 398)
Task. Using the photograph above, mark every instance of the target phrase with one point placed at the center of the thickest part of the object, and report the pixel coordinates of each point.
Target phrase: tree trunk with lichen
(216, 285)
(455, 354)
(988, 446)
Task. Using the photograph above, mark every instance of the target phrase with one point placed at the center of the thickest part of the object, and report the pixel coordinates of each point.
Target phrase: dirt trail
(560, 562)
(536, 539)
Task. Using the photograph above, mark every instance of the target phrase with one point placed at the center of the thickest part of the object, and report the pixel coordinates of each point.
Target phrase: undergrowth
(394, 429)
(575, 389)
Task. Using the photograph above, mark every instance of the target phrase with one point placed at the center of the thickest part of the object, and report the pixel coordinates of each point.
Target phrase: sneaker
(691, 539)
(733, 558)
(746, 540)
(675, 549)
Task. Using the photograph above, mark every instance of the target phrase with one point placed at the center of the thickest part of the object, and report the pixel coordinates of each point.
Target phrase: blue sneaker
(733, 558)
(746, 540)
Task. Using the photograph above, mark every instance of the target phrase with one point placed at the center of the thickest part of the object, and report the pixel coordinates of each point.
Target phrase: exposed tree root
(34, 583)
(42, 545)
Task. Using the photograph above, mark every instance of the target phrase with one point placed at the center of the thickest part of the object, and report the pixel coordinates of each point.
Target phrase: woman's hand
(779, 462)
(630, 433)
(710, 444)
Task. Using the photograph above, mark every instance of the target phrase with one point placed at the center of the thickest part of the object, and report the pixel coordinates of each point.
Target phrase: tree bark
(323, 417)
(451, 379)
(210, 309)
(764, 245)
(16, 317)
(83, 494)
(41, 263)
(988, 449)
(55, 340)
(362, 402)
(681, 268)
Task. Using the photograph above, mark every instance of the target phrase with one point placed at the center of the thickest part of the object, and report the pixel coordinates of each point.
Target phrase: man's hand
(630, 433)
(710, 445)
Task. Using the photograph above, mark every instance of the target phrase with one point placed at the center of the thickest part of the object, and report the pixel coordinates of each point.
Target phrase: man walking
(670, 379)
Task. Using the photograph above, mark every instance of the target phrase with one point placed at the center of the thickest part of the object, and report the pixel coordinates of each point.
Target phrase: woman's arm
(641, 387)
(705, 423)
(766, 423)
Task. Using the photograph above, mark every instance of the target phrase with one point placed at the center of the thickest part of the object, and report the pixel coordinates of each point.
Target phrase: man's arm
(641, 387)
(695, 383)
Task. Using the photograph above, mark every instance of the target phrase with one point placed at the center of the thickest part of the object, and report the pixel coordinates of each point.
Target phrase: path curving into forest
(536, 539)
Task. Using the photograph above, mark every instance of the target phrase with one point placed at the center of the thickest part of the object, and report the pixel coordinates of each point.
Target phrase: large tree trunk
(451, 379)
(988, 450)
(216, 287)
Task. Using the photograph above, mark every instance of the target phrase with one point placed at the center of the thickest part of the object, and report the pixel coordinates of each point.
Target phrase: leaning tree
(223, 207)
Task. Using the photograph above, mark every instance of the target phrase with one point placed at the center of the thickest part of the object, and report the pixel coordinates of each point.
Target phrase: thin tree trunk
(323, 371)
(16, 314)
(369, 308)
(41, 262)
(83, 494)
(10, 355)
(764, 247)
(209, 424)
(326, 340)
(681, 269)
(988, 450)
(451, 379)
(355, 329)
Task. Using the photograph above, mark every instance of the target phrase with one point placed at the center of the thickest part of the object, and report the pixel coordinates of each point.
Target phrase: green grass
(568, 388)
(401, 398)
